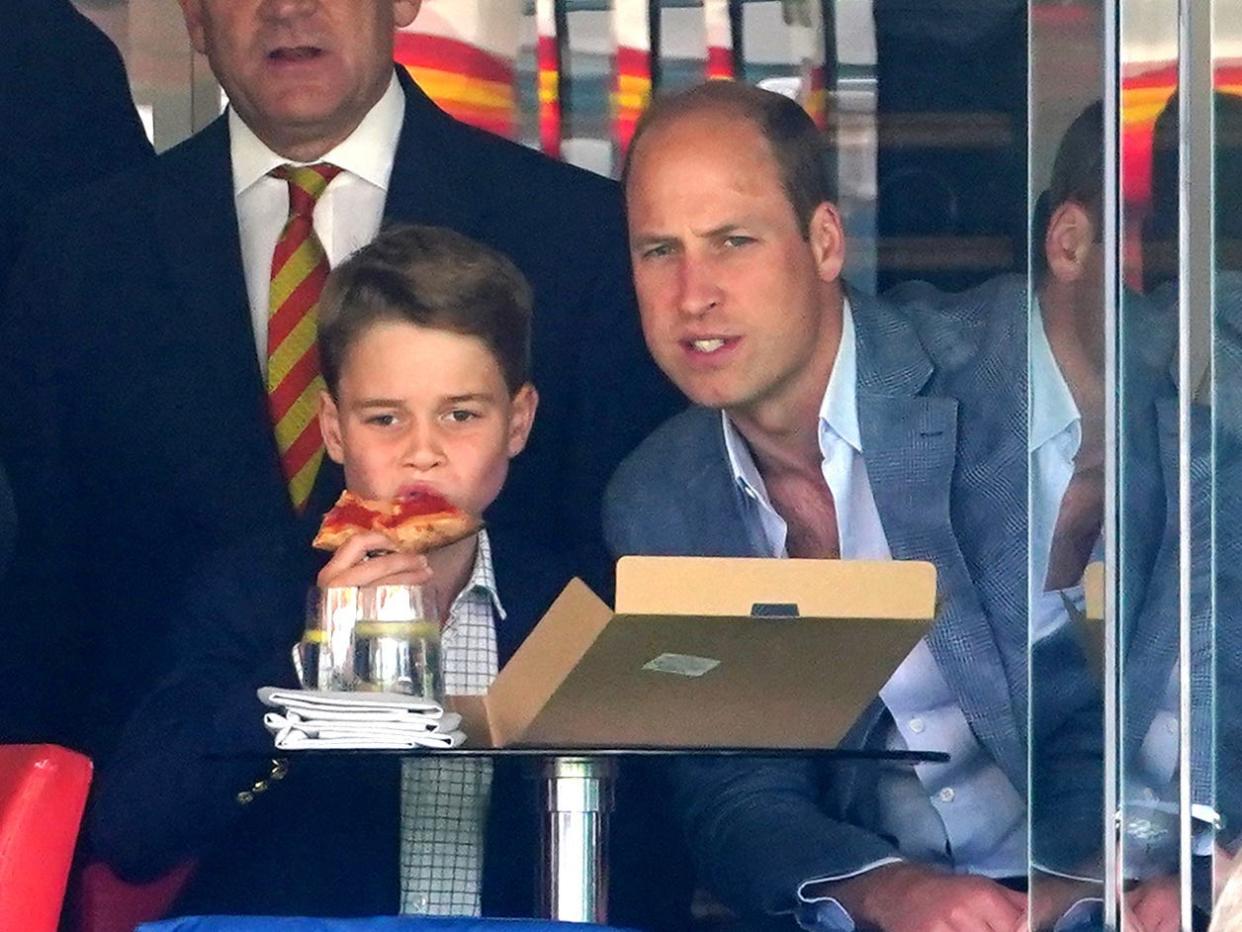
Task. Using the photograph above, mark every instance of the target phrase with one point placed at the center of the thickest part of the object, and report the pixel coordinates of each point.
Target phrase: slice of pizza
(417, 522)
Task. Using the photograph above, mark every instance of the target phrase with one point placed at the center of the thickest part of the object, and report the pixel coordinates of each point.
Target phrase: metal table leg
(574, 878)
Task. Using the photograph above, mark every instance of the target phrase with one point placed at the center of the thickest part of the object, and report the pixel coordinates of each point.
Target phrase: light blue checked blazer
(942, 411)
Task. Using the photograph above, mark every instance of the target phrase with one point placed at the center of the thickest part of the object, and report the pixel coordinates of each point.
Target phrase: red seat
(42, 795)
(103, 902)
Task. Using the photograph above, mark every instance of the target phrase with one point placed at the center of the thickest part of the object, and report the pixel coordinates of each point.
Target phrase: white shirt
(1054, 438)
(840, 442)
(967, 803)
(348, 214)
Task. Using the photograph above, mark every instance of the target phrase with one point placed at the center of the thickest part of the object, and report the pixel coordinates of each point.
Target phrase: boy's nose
(424, 451)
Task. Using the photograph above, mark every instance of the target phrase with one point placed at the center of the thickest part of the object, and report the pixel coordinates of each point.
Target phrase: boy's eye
(461, 415)
(382, 420)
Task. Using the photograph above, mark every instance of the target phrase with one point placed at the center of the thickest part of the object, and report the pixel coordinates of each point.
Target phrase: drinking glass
(324, 657)
(396, 643)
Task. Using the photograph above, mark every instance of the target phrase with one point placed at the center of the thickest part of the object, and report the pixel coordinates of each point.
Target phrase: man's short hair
(803, 156)
(1077, 175)
(1078, 169)
(430, 277)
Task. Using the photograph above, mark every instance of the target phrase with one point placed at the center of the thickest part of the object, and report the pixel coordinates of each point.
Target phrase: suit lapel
(429, 182)
(208, 331)
(910, 446)
(723, 507)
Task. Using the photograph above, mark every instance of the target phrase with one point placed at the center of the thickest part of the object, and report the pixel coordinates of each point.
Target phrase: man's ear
(521, 418)
(404, 11)
(827, 238)
(330, 427)
(192, 11)
(1068, 241)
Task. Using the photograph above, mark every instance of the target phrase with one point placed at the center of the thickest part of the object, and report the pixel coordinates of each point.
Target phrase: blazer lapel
(731, 529)
(209, 330)
(429, 183)
(910, 446)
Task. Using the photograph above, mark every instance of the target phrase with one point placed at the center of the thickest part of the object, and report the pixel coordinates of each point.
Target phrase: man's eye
(737, 240)
(382, 420)
(461, 415)
(656, 252)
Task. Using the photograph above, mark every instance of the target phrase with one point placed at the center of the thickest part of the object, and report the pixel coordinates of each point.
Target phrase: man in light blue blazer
(828, 423)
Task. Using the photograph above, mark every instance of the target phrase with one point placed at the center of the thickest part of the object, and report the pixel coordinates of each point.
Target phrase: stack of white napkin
(314, 720)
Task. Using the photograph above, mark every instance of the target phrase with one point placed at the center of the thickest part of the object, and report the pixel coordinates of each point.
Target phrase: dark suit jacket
(8, 522)
(325, 840)
(66, 115)
(138, 437)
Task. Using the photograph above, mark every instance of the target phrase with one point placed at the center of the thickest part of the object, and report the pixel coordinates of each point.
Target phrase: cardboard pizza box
(1091, 625)
(708, 652)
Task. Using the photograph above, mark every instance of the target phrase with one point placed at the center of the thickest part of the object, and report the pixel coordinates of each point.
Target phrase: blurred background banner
(548, 66)
(632, 77)
(462, 53)
(719, 25)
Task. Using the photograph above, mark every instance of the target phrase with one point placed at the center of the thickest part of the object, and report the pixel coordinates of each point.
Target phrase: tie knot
(306, 184)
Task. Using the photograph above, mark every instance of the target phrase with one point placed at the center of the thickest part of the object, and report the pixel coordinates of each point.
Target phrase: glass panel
(1150, 537)
(1069, 637)
(1224, 394)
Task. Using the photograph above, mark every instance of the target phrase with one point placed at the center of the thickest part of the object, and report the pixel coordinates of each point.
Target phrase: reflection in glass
(1067, 486)
(1225, 395)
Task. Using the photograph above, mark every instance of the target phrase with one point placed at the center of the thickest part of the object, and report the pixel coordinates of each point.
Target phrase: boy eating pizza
(425, 350)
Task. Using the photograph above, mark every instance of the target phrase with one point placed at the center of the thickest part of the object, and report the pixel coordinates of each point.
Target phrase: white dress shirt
(1054, 438)
(347, 215)
(965, 814)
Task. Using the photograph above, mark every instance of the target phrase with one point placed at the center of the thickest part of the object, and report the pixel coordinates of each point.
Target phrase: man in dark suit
(135, 321)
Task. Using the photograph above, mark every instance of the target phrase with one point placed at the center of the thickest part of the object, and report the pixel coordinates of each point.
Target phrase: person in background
(66, 116)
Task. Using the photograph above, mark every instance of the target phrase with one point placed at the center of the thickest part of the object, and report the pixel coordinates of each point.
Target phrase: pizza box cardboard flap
(708, 652)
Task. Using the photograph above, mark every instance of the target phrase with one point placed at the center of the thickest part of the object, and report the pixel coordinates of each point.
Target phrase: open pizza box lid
(708, 652)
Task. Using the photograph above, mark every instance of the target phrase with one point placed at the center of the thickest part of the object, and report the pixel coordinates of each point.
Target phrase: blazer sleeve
(169, 793)
(757, 832)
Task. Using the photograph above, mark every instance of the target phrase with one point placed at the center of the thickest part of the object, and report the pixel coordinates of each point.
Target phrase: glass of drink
(324, 657)
(396, 645)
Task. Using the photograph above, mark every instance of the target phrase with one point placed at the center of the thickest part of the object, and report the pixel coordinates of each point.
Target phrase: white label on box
(681, 664)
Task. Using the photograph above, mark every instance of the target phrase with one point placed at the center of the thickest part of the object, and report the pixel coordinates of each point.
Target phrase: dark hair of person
(1077, 175)
(802, 154)
(430, 277)
(1078, 169)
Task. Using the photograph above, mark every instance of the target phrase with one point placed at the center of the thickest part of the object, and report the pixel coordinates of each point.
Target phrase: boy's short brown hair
(430, 277)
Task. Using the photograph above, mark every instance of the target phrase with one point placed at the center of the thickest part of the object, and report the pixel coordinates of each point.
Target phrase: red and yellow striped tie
(299, 268)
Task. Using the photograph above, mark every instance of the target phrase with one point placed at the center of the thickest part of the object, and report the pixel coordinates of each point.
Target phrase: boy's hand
(912, 898)
(350, 565)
